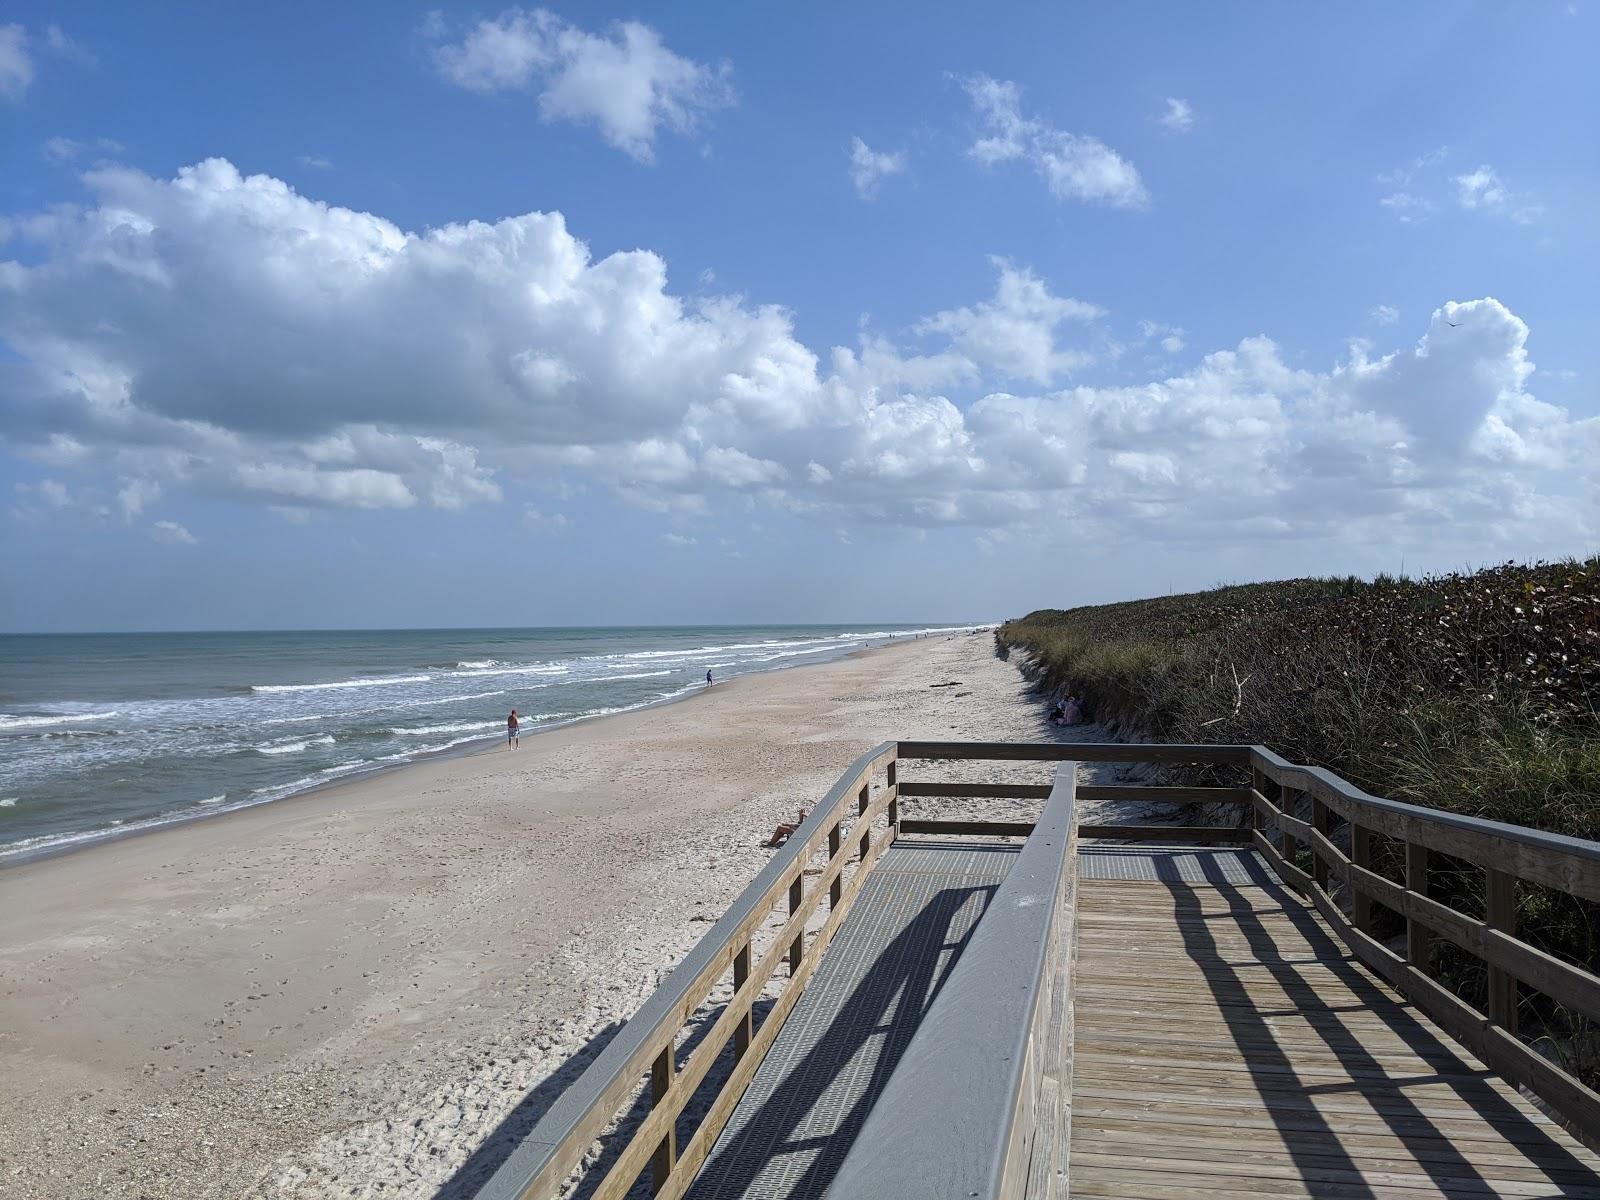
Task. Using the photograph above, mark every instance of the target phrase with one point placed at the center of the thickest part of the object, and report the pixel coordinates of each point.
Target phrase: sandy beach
(343, 993)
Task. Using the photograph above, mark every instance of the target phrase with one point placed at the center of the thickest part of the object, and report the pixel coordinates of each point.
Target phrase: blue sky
(911, 313)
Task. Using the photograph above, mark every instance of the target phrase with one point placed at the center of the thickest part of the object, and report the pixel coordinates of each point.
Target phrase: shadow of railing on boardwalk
(1312, 1136)
(890, 1001)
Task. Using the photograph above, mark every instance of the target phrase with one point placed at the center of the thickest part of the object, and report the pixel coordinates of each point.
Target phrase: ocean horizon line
(601, 628)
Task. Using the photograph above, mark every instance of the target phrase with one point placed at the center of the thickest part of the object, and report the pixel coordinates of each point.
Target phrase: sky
(392, 315)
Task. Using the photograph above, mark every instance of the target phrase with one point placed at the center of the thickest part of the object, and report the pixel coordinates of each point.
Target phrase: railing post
(666, 1155)
(1501, 913)
(741, 980)
(894, 798)
(1418, 936)
(796, 947)
(861, 808)
(1361, 856)
(1319, 822)
(836, 888)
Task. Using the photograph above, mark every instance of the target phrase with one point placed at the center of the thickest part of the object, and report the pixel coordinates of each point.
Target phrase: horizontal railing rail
(646, 1045)
(1152, 752)
(1505, 853)
(1024, 942)
(1163, 796)
(960, 1115)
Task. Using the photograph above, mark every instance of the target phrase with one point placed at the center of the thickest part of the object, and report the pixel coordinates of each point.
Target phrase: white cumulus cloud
(1015, 332)
(1480, 189)
(1483, 189)
(216, 334)
(627, 84)
(1171, 338)
(1177, 116)
(170, 533)
(1074, 166)
(869, 167)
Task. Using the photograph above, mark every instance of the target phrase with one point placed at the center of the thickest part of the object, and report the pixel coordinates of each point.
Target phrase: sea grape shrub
(1476, 692)
(1298, 650)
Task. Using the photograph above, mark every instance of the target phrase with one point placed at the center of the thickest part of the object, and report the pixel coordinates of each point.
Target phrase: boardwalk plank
(1227, 1045)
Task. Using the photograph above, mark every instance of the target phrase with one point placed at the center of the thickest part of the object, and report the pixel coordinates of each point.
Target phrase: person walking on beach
(708, 678)
(512, 725)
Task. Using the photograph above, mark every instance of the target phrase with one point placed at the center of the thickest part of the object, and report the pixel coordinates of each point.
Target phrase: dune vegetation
(1473, 692)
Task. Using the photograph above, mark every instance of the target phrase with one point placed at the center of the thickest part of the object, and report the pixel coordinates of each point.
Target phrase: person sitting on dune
(785, 830)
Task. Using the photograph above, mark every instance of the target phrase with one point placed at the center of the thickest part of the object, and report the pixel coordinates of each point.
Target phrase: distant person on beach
(512, 726)
(785, 830)
(708, 678)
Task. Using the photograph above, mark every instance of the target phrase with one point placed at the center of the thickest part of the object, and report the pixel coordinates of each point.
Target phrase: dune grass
(1475, 692)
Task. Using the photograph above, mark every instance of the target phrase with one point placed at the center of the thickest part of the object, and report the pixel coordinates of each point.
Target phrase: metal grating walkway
(812, 1092)
(1160, 864)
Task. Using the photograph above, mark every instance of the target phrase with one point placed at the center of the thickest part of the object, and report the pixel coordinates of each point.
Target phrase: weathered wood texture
(1081, 751)
(1492, 1034)
(967, 828)
(1228, 1045)
(1567, 864)
(1166, 833)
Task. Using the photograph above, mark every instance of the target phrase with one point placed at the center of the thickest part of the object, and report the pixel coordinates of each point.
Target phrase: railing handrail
(627, 1056)
(1154, 752)
(1581, 881)
(1505, 853)
(981, 1147)
(1324, 784)
(977, 1049)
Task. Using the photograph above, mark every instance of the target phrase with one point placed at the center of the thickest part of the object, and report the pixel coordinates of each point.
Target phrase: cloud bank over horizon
(224, 335)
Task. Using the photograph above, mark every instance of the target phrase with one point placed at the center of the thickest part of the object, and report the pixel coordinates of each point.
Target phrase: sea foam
(295, 747)
(386, 681)
(41, 721)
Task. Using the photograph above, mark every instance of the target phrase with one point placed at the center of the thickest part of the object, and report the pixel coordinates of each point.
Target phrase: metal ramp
(807, 1102)
(1238, 1011)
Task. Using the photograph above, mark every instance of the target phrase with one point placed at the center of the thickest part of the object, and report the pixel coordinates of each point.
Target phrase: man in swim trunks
(512, 725)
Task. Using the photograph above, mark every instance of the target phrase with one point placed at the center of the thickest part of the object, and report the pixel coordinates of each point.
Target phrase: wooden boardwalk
(1228, 1045)
(1069, 1014)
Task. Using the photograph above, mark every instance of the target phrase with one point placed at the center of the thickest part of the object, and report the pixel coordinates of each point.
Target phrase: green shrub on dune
(1474, 692)
(1426, 690)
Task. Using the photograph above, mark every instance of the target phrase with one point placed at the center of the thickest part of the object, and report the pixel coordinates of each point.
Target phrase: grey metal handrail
(956, 1118)
(619, 1065)
(980, 1050)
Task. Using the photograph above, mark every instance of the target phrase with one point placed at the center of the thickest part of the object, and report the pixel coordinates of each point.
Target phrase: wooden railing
(648, 1044)
(1504, 853)
(1174, 798)
(842, 827)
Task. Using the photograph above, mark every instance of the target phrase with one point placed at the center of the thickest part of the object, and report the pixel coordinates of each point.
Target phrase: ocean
(104, 734)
